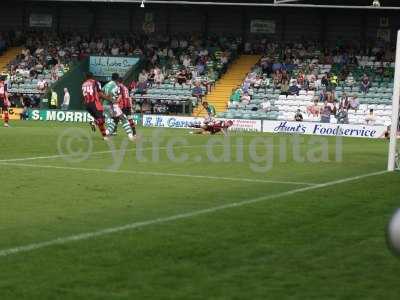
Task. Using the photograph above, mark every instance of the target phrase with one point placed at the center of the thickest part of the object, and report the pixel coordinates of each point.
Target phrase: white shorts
(116, 110)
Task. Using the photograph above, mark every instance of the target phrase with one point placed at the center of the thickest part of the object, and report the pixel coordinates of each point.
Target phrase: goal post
(395, 110)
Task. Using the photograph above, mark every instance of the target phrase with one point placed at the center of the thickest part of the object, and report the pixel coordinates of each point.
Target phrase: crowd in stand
(181, 60)
(196, 63)
(185, 63)
(293, 68)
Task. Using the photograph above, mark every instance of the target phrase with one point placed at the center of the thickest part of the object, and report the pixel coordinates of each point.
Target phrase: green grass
(321, 243)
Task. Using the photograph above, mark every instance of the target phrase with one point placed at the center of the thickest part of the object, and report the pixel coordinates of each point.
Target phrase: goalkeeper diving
(210, 125)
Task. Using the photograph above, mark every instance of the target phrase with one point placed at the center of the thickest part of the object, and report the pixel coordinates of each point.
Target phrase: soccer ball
(393, 233)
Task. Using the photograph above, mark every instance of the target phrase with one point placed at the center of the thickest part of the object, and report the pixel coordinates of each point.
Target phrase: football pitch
(180, 216)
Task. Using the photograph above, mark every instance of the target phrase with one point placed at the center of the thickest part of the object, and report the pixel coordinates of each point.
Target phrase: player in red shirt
(125, 103)
(213, 127)
(4, 102)
(91, 91)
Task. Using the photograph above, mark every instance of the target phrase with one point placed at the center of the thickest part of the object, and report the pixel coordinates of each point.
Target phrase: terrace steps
(234, 77)
(7, 57)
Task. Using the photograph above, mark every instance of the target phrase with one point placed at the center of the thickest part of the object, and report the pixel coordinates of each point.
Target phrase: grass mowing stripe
(107, 231)
(116, 150)
(148, 173)
(96, 152)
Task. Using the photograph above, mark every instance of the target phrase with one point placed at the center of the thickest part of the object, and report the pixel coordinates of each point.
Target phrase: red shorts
(213, 129)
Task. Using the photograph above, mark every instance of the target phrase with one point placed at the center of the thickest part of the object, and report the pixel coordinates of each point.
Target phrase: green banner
(59, 115)
(66, 115)
(104, 66)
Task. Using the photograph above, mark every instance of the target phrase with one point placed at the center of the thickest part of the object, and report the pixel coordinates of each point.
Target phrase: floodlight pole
(395, 109)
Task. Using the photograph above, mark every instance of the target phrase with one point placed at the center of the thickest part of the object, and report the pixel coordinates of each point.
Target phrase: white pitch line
(31, 158)
(135, 225)
(96, 152)
(149, 173)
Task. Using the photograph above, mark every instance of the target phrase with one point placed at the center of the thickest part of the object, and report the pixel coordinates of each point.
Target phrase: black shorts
(94, 110)
(3, 105)
(127, 111)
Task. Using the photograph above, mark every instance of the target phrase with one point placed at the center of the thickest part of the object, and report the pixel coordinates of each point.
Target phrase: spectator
(326, 112)
(342, 116)
(200, 68)
(277, 79)
(67, 98)
(25, 105)
(197, 92)
(370, 117)
(257, 82)
(150, 78)
(333, 81)
(141, 87)
(313, 109)
(143, 75)
(293, 89)
(245, 99)
(285, 87)
(132, 85)
(325, 81)
(311, 83)
(158, 77)
(42, 85)
(298, 117)
(53, 99)
(365, 84)
(354, 103)
(301, 78)
(182, 77)
(353, 60)
(186, 62)
(224, 58)
(349, 80)
(344, 102)
(266, 105)
(236, 97)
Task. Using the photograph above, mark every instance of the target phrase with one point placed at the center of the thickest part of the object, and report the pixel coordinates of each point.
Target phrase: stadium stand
(7, 52)
(182, 73)
(229, 81)
(175, 65)
(337, 87)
